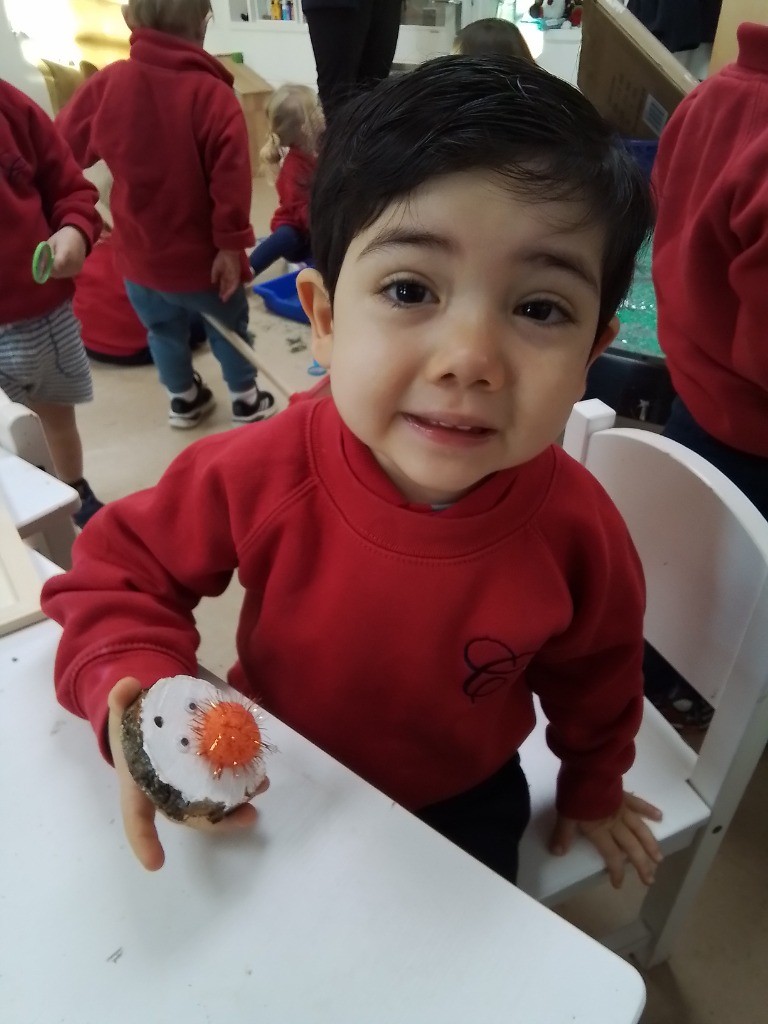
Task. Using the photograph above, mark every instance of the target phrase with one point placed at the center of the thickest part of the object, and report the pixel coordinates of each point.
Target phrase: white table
(338, 908)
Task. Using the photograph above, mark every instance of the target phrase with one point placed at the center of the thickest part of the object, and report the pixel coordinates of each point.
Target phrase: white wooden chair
(41, 506)
(704, 549)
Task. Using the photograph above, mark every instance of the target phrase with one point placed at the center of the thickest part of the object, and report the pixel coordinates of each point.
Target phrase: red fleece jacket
(294, 183)
(710, 254)
(41, 190)
(406, 642)
(173, 135)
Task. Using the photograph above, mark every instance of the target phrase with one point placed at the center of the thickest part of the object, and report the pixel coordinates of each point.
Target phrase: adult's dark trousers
(353, 46)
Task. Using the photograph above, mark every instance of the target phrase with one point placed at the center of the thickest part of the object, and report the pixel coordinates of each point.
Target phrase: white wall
(15, 69)
(281, 51)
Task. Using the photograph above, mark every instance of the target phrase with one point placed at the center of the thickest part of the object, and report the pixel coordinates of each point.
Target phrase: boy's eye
(542, 310)
(407, 293)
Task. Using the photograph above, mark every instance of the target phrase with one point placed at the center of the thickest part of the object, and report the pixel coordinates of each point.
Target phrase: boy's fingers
(123, 693)
(612, 854)
(642, 807)
(139, 824)
(137, 809)
(242, 817)
(562, 836)
(647, 840)
(635, 851)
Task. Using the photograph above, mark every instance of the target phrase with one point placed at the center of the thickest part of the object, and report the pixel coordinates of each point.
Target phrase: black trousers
(488, 820)
(748, 472)
(353, 48)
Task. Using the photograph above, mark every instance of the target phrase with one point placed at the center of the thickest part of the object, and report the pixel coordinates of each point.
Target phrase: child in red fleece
(294, 120)
(710, 266)
(43, 196)
(418, 556)
(710, 272)
(173, 135)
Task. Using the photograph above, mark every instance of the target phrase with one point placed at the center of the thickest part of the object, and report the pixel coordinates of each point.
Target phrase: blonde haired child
(492, 37)
(289, 156)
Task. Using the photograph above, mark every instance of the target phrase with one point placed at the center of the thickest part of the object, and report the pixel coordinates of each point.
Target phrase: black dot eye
(192, 706)
(184, 741)
(159, 721)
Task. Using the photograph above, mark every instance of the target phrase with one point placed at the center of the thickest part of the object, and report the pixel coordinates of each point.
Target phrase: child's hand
(226, 272)
(622, 837)
(69, 252)
(138, 810)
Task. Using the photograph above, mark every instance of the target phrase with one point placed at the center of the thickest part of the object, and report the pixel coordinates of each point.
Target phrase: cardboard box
(632, 78)
(253, 92)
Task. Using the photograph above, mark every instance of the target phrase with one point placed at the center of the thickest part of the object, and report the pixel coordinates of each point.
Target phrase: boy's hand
(138, 810)
(69, 252)
(622, 837)
(225, 273)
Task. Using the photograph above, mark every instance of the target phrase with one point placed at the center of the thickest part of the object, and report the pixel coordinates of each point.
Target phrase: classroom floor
(719, 972)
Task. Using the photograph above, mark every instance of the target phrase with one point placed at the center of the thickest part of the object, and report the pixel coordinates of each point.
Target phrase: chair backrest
(704, 549)
(21, 434)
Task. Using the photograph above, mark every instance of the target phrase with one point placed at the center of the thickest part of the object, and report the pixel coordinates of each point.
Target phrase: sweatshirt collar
(753, 46)
(162, 50)
(373, 507)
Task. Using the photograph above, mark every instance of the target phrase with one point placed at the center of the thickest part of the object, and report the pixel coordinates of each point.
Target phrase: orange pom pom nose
(228, 735)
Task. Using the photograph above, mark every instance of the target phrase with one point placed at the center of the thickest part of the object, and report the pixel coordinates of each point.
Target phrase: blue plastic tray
(644, 152)
(280, 297)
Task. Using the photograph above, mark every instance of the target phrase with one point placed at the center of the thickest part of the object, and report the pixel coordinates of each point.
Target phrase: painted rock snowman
(194, 749)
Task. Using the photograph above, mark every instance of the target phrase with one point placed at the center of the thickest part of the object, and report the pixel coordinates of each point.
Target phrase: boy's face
(462, 327)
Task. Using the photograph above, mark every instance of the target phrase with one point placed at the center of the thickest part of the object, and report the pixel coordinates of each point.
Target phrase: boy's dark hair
(456, 114)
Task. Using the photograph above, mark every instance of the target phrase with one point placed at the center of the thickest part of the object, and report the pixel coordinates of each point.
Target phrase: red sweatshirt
(293, 184)
(41, 190)
(173, 135)
(710, 256)
(108, 322)
(405, 642)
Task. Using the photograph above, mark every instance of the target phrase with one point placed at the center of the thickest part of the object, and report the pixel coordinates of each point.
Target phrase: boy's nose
(469, 353)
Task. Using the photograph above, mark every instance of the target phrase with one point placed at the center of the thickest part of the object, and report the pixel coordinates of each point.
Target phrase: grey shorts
(43, 360)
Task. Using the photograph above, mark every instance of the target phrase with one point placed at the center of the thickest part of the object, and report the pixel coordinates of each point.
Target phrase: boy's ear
(604, 339)
(317, 305)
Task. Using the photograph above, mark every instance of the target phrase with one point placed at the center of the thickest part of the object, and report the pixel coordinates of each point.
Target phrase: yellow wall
(101, 34)
(732, 14)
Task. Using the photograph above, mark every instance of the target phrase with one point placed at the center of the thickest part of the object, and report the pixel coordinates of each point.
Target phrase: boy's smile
(463, 323)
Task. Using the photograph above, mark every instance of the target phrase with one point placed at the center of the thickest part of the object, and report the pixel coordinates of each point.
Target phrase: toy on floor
(280, 296)
(195, 750)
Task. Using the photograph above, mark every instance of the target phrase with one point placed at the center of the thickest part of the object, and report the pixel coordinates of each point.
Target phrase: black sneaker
(89, 503)
(184, 414)
(250, 412)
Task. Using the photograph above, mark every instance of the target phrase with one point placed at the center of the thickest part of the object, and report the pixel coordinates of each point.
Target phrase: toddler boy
(418, 557)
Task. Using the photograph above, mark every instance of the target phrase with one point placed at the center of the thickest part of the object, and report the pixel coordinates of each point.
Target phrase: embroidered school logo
(492, 665)
(13, 168)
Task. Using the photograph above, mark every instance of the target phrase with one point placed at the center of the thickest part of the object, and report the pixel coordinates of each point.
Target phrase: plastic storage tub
(280, 297)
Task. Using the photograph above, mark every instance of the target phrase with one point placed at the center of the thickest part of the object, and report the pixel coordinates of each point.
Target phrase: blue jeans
(285, 243)
(167, 315)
